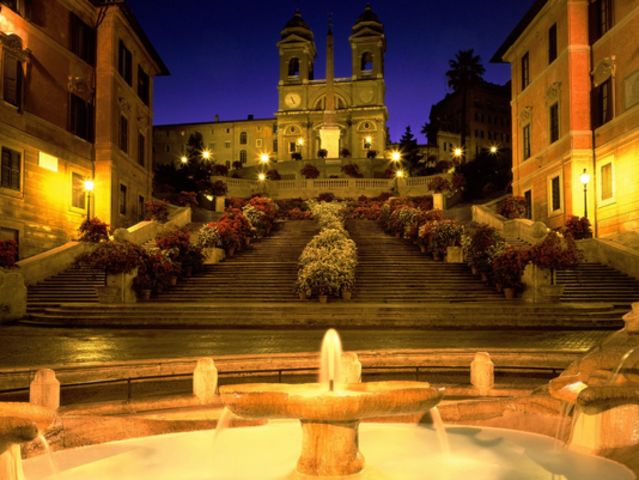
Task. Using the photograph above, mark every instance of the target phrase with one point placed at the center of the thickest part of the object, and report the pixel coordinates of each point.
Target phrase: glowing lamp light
(209, 197)
(584, 178)
(261, 177)
(369, 139)
(399, 174)
(396, 156)
(89, 185)
(206, 154)
(458, 152)
(493, 149)
(300, 141)
(264, 158)
(184, 159)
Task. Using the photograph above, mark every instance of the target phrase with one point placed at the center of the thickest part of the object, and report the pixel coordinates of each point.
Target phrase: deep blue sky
(223, 59)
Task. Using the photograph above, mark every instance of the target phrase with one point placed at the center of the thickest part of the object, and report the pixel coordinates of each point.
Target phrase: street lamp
(584, 178)
(396, 156)
(89, 186)
(206, 154)
(264, 158)
(458, 152)
(184, 159)
(261, 177)
(494, 149)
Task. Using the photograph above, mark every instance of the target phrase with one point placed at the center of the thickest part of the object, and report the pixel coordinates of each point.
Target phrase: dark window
(123, 140)
(78, 194)
(82, 40)
(556, 194)
(552, 43)
(12, 4)
(292, 147)
(275, 145)
(554, 123)
(525, 71)
(12, 80)
(294, 67)
(243, 156)
(243, 138)
(144, 85)
(80, 118)
(602, 104)
(141, 214)
(606, 182)
(528, 204)
(141, 149)
(122, 199)
(125, 63)
(601, 18)
(11, 167)
(367, 62)
(526, 141)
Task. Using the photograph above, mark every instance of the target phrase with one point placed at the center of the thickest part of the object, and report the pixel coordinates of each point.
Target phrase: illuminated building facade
(75, 105)
(352, 108)
(575, 108)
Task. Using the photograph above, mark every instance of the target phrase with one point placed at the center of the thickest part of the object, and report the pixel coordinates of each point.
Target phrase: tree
(465, 71)
(410, 150)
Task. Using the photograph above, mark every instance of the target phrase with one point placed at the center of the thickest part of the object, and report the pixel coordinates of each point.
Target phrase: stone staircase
(392, 271)
(594, 282)
(265, 273)
(76, 284)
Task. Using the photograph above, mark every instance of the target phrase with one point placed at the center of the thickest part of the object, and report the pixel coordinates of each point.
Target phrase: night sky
(223, 59)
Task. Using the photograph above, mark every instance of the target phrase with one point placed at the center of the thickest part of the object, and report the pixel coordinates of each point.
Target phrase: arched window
(367, 62)
(243, 156)
(243, 138)
(294, 67)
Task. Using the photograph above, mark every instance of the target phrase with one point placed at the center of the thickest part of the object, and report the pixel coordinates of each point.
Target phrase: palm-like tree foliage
(465, 70)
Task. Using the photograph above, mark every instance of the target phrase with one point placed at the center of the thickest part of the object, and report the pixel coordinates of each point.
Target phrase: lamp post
(396, 158)
(89, 186)
(261, 177)
(584, 178)
(206, 154)
(184, 160)
(458, 153)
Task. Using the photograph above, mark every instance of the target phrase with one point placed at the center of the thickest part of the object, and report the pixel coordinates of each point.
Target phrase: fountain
(330, 439)
(330, 411)
(19, 423)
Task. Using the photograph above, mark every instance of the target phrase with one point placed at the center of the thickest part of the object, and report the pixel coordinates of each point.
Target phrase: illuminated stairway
(76, 284)
(391, 270)
(594, 282)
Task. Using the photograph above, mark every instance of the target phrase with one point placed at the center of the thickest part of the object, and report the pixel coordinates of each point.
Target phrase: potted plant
(352, 170)
(482, 239)
(296, 156)
(554, 252)
(156, 210)
(120, 261)
(93, 231)
(371, 154)
(210, 241)
(345, 153)
(577, 228)
(444, 234)
(508, 268)
(219, 189)
(512, 207)
(309, 171)
(220, 170)
(187, 199)
(273, 174)
(322, 153)
(8, 253)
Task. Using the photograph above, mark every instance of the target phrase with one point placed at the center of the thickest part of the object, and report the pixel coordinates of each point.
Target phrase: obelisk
(329, 132)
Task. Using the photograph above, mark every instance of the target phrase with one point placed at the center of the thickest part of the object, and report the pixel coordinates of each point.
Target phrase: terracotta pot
(302, 296)
(346, 295)
(398, 235)
(437, 257)
(230, 252)
(173, 280)
(474, 270)
(499, 287)
(323, 299)
(484, 277)
(509, 293)
(188, 271)
(145, 294)
(422, 248)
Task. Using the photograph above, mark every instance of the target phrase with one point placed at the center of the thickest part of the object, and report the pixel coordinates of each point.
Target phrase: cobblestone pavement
(22, 346)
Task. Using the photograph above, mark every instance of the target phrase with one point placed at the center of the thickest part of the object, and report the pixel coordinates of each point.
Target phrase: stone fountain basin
(592, 395)
(20, 422)
(313, 401)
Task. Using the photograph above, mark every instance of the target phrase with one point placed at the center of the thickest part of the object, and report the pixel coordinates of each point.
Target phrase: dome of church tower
(297, 26)
(368, 19)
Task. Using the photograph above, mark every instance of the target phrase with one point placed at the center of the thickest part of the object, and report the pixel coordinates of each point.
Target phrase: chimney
(250, 117)
(217, 118)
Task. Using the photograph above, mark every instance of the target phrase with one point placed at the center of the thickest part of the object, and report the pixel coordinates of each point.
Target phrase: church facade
(348, 114)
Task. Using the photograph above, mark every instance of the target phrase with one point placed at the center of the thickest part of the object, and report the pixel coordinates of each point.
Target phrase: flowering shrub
(439, 185)
(273, 174)
(577, 228)
(189, 199)
(209, 237)
(444, 234)
(327, 263)
(368, 210)
(8, 253)
(114, 257)
(423, 202)
(508, 266)
(258, 220)
(219, 188)
(236, 202)
(93, 230)
(155, 271)
(555, 252)
(157, 210)
(176, 245)
(458, 182)
(297, 214)
(175, 239)
(326, 197)
(512, 207)
(482, 239)
(238, 221)
(310, 171)
(265, 205)
(230, 237)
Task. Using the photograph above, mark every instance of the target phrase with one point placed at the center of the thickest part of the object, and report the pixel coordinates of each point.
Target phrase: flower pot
(145, 294)
(422, 248)
(398, 235)
(509, 293)
(474, 270)
(302, 296)
(188, 271)
(454, 255)
(323, 299)
(173, 280)
(346, 295)
(230, 252)
(499, 288)
(484, 277)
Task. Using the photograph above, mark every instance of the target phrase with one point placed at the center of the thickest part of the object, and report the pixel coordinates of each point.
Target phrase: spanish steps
(396, 287)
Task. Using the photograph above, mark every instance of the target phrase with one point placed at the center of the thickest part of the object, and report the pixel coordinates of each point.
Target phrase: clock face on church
(292, 100)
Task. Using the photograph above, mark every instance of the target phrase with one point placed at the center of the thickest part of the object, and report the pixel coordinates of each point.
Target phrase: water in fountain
(440, 429)
(629, 359)
(47, 454)
(567, 410)
(331, 359)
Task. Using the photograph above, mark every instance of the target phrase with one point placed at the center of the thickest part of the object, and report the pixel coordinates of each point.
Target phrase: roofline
(213, 122)
(139, 31)
(518, 30)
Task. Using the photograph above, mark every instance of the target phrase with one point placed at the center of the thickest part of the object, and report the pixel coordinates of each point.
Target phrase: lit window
(243, 156)
(243, 138)
(607, 192)
(78, 192)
